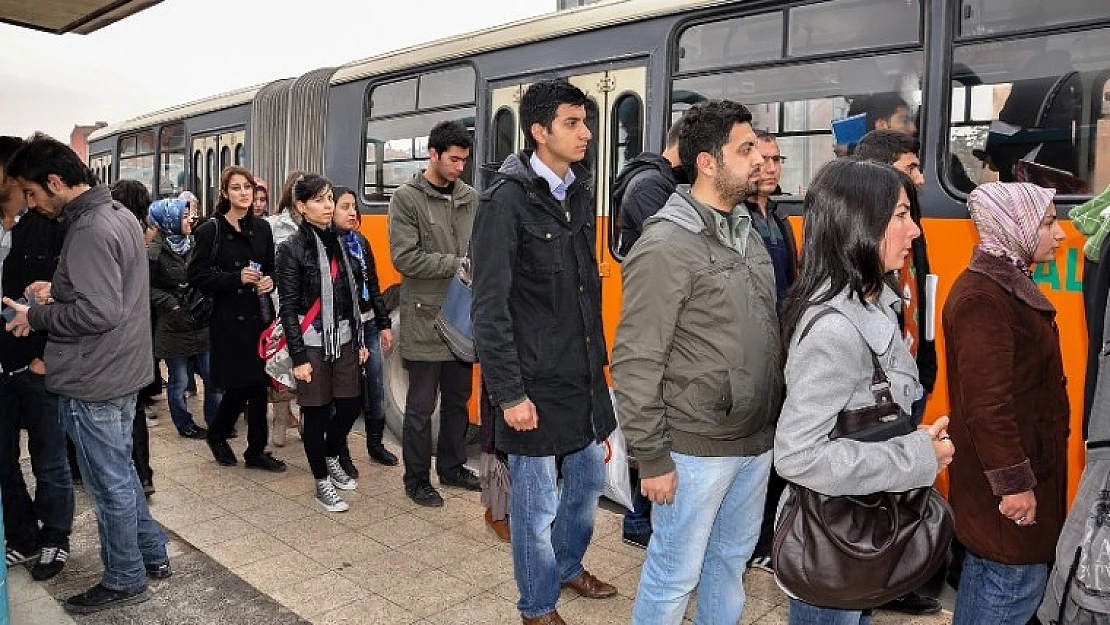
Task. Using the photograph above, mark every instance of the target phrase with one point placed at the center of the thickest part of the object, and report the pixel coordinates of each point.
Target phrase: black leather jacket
(36, 244)
(298, 285)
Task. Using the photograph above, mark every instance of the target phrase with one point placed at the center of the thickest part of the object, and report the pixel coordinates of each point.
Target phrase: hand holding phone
(9, 313)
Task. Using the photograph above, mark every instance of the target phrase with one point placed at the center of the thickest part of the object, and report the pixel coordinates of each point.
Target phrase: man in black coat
(537, 326)
(643, 186)
(29, 248)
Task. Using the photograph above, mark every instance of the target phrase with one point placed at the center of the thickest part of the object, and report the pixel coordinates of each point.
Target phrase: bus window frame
(614, 127)
(137, 154)
(183, 150)
(380, 206)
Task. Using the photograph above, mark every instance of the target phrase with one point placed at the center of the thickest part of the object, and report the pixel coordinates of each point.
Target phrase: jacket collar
(1009, 277)
(460, 194)
(685, 210)
(875, 322)
(96, 196)
(516, 168)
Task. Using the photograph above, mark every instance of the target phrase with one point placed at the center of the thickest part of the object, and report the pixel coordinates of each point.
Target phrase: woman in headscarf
(1009, 406)
(178, 336)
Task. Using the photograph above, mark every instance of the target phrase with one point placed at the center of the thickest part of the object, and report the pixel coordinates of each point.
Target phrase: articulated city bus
(988, 82)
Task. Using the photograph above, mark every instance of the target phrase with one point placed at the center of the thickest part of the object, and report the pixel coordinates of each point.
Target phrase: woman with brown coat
(1009, 407)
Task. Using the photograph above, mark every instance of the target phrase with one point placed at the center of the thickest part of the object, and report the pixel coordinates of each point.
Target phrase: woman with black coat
(238, 274)
(317, 287)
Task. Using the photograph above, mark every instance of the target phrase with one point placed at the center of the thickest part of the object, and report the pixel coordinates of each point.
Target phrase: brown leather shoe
(551, 618)
(587, 585)
(501, 528)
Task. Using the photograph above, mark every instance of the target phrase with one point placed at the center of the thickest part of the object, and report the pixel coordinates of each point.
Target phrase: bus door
(210, 155)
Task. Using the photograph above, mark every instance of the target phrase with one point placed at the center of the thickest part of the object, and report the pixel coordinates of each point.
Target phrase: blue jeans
(180, 373)
(372, 369)
(637, 521)
(802, 613)
(917, 410)
(996, 593)
(703, 540)
(552, 524)
(25, 403)
(129, 536)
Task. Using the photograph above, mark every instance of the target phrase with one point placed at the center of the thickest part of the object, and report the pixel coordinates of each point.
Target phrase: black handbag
(195, 302)
(859, 552)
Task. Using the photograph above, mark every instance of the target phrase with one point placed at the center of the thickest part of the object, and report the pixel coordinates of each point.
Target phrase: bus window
(400, 115)
(225, 157)
(798, 102)
(239, 154)
(198, 172)
(504, 134)
(832, 27)
(171, 157)
(749, 39)
(991, 17)
(1031, 109)
(627, 127)
(136, 158)
(211, 181)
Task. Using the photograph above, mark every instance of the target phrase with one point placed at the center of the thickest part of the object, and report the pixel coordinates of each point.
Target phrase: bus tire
(395, 380)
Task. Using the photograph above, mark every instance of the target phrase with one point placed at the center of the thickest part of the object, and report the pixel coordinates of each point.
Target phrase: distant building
(79, 139)
(571, 4)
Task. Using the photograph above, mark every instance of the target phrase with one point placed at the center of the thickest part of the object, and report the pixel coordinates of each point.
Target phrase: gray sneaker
(338, 476)
(327, 497)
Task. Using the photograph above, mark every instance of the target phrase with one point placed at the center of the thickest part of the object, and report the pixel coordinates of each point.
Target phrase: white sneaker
(328, 498)
(338, 476)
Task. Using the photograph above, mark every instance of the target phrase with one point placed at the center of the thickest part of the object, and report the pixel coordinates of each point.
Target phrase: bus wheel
(395, 379)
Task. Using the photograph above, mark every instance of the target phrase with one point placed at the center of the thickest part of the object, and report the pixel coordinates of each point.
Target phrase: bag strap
(314, 310)
(214, 256)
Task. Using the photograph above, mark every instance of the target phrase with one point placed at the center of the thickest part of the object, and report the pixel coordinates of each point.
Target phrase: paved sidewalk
(252, 547)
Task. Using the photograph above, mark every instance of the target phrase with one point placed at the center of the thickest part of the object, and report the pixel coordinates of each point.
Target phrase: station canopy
(69, 16)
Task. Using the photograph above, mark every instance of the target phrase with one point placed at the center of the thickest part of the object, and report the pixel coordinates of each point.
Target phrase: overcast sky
(182, 50)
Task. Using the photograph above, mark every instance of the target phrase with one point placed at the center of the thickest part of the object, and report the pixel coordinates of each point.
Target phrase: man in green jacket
(697, 367)
(430, 218)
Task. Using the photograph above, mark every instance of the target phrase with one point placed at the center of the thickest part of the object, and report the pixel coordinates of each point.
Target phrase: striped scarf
(1008, 216)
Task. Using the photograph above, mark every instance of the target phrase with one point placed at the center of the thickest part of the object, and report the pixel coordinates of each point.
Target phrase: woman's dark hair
(338, 192)
(224, 204)
(846, 212)
(285, 202)
(309, 186)
(133, 195)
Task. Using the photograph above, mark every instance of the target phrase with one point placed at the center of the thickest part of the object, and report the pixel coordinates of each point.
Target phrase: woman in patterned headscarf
(1009, 406)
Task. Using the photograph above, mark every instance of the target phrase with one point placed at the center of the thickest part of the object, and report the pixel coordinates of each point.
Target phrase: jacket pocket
(422, 311)
(541, 248)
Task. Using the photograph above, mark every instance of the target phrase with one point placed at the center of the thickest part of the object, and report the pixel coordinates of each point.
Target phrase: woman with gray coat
(857, 229)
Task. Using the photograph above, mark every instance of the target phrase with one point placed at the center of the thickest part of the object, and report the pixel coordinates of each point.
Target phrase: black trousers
(453, 381)
(254, 399)
(325, 431)
(775, 486)
(140, 445)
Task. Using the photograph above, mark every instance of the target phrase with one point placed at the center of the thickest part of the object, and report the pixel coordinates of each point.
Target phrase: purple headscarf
(1008, 216)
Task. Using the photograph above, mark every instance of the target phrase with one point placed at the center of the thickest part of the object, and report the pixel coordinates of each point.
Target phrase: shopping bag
(618, 483)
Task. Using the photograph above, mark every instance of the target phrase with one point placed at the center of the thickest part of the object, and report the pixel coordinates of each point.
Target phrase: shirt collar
(558, 185)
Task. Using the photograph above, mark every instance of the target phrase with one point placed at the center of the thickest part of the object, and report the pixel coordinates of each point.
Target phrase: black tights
(325, 431)
(254, 399)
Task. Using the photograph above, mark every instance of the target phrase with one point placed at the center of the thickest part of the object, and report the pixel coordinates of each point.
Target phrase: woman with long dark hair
(375, 325)
(317, 288)
(234, 262)
(838, 316)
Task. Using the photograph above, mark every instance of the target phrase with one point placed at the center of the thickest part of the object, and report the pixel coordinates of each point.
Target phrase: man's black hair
(8, 147)
(886, 146)
(134, 196)
(877, 106)
(674, 132)
(447, 134)
(42, 156)
(540, 102)
(765, 135)
(706, 127)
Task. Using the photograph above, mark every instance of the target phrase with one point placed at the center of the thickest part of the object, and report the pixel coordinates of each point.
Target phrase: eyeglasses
(778, 159)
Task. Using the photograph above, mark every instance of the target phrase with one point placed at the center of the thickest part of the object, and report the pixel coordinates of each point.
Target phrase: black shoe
(100, 598)
(222, 452)
(913, 603)
(159, 571)
(425, 495)
(195, 432)
(463, 478)
(13, 556)
(148, 487)
(51, 562)
(348, 466)
(234, 433)
(636, 540)
(264, 461)
(378, 453)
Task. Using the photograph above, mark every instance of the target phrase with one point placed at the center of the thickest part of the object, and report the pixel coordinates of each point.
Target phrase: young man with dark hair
(643, 186)
(885, 111)
(899, 150)
(29, 248)
(537, 326)
(698, 307)
(96, 311)
(430, 218)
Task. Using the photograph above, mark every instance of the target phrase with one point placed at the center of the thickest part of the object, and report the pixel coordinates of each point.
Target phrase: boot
(378, 452)
(278, 423)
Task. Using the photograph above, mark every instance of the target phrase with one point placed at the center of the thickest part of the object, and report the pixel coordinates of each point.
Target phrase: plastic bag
(618, 482)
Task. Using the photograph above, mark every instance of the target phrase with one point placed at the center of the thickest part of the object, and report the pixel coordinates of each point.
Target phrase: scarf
(354, 245)
(167, 215)
(1092, 220)
(1008, 217)
(328, 321)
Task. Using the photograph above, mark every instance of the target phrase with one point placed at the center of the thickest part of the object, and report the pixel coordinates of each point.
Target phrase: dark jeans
(25, 403)
(775, 486)
(373, 390)
(637, 521)
(253, 399)
(453, 381)
(140, 446)
(325, 431)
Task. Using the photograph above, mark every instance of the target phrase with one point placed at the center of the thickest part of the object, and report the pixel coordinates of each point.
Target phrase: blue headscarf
(355, 247)
(167, 216)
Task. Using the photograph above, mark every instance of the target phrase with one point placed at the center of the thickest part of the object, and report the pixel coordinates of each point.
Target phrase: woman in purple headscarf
(1009, 405)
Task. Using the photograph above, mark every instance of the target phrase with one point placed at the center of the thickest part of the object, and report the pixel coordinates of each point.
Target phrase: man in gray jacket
(430, 219)
(698, 371)
(96, 312)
